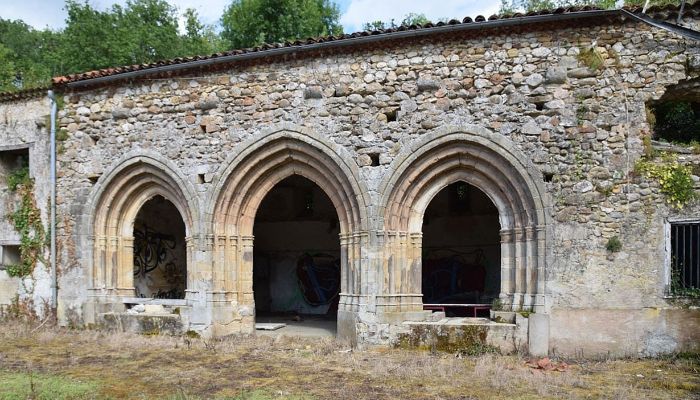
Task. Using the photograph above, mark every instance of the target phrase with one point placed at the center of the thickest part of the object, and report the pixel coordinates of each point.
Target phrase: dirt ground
(98, 364)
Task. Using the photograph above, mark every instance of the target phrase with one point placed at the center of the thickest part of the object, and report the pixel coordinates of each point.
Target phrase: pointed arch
(113, 206)
(493, 164)
(264, 161)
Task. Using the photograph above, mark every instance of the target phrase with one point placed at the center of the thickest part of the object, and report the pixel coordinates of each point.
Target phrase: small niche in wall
(9, 255)
(375, 159)
(13, 162)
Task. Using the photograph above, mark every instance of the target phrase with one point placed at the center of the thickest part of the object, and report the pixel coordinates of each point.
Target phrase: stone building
(362, 177)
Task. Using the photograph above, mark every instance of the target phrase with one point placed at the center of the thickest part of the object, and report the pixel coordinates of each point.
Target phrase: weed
(613, 245)
(591, 58)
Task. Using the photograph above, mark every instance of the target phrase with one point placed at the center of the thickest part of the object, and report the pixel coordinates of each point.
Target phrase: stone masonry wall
(23, 126)
(582, 128)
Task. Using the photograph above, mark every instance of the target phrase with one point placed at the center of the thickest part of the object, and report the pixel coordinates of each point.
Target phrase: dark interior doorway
(160, 253)
(296, 256)
(461, 249)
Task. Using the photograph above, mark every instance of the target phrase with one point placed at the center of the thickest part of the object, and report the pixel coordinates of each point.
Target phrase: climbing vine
(27, 221)
(674, 178)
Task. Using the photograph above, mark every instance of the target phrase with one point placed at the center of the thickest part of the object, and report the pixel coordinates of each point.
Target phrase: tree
(30, 55)
(408, 20)
(512, 6)
(199, 38)
(7, 69)
(143, 31)
(249, 23)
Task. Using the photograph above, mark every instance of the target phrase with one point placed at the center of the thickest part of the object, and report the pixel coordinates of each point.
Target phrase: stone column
(539, 300)
(507, 267)
(530, 265)
(125, 270)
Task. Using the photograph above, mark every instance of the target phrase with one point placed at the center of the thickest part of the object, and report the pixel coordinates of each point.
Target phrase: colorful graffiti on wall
(318, 276)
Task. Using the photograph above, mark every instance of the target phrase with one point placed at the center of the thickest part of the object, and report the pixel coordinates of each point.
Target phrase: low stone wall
(624, 332)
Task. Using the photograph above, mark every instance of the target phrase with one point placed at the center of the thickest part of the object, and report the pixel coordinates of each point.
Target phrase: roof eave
(462, 27)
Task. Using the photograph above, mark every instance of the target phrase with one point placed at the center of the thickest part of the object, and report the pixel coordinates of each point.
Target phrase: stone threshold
(459, 321)
(152, 301)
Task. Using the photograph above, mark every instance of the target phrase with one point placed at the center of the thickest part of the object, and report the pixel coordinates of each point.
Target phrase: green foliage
(677, 121)
(20, 386)
(28, 57)
(141, 31)
(408, 20)
(17, 178)
(673, 178)
(248, 23)
(513, 6)
(27, 221)
(679, 290)
(613, 245)
(591, 58)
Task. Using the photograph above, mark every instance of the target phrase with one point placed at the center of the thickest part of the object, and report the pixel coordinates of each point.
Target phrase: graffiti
(151, 250)
(319, 278)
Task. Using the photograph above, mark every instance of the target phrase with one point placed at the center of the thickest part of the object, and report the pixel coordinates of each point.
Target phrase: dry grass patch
(259, 367)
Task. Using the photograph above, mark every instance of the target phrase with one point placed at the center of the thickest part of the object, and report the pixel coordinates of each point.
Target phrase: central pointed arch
(263, 162)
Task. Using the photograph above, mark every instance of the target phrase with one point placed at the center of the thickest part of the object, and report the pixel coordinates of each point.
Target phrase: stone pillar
(100, 266)
(539, 297)
(530, 267)
(399, 297)
(112, 263)
(125, 269)
(519, 260)
(507, 267)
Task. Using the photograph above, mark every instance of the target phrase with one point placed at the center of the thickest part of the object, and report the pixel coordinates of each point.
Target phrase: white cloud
(362, 11)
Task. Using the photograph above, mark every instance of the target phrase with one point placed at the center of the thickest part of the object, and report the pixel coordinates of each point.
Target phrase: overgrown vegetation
(27, 221)
(674, 178)
(119, 365)
(679, 290)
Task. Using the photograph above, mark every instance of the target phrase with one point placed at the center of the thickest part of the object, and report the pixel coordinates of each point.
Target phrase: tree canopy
(512, 6)
(408, 20)
(249, 23)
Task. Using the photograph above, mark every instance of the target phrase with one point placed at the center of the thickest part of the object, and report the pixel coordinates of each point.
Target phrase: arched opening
(296, 257)
(461, 251)
(513, 186)
(160, 252)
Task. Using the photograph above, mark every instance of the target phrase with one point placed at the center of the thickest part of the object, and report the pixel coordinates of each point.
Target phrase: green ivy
(27, 221)
(677, 288)
(673, 177)
(17, 178)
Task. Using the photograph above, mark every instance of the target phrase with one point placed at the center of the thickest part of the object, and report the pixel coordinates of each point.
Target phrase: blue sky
(43, 13)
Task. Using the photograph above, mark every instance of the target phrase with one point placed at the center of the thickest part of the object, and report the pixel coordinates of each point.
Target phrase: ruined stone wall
(23, 128)
(581, 128)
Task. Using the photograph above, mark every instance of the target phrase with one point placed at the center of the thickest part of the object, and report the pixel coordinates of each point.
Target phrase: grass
(28, 385)
(101, 365)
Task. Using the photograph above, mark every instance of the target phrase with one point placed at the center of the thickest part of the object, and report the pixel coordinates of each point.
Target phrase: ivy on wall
(27, 221)
(674, 179)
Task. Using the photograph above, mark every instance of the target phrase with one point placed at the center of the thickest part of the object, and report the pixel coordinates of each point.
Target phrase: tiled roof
(480, 23)
(23, 94)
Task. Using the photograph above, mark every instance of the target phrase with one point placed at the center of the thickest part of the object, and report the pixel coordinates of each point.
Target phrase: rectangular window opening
(14, 165)
(685, 258)
(9, 255)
